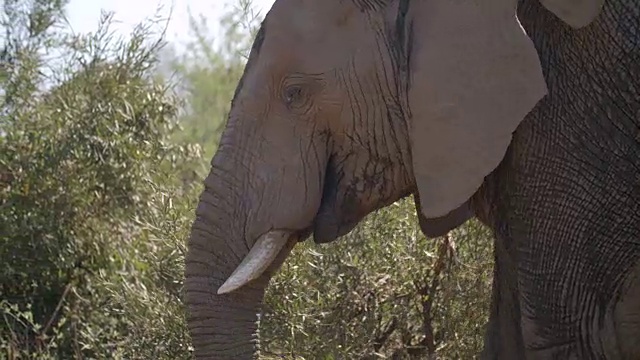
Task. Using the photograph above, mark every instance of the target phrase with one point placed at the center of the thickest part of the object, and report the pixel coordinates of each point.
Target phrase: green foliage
(207, 75)
(97, 191)
(383, 291)
(90, 240)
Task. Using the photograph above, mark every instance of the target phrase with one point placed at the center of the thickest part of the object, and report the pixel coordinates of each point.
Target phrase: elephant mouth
(328, 227)
(331, 221)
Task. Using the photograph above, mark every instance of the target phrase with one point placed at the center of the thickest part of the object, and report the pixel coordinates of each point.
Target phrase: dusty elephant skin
(347, 106)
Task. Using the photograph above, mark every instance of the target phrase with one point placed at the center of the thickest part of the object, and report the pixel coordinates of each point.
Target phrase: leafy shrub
(84, 147)
(383, 291)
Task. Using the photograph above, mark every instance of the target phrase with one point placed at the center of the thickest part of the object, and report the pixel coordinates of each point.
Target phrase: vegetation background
(104, 143)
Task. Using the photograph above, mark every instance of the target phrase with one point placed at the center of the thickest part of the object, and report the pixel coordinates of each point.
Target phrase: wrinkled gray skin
(564, 203)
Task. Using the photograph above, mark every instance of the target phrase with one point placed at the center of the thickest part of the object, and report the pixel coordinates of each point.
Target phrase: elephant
(524, 114)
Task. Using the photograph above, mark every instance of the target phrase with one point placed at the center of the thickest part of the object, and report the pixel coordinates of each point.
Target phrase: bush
(383, 291)
(85, 272)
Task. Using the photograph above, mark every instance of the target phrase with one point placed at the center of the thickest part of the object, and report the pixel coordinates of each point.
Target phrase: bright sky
(84, 15)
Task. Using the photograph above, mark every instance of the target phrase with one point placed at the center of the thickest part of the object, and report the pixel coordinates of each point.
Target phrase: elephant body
(565, 202)
(347, 106)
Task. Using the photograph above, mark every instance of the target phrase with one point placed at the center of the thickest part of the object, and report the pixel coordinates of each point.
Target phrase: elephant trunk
(231, 257)
(221, 326)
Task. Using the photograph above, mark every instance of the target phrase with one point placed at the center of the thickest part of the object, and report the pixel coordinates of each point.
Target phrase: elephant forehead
(313, 34)
(312, 15)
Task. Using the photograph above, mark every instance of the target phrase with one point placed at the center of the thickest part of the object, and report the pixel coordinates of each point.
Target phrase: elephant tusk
(261, 255)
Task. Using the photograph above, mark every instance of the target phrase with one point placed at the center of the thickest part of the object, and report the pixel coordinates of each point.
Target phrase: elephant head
(345, 107)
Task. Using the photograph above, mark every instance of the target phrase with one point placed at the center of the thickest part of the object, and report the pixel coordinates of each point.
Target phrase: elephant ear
(576, 13)
(474, 76)
(440, 226)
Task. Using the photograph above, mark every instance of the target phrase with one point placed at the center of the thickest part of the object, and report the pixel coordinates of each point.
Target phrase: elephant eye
(294, 95)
